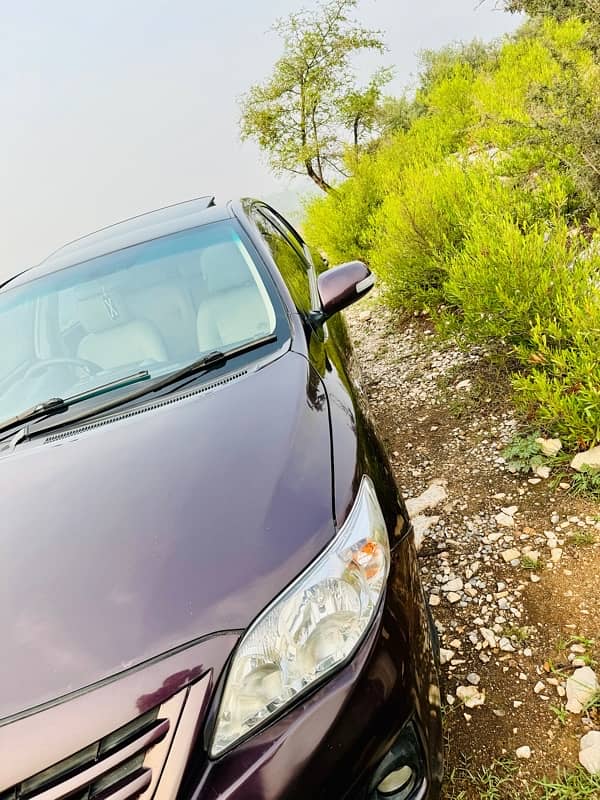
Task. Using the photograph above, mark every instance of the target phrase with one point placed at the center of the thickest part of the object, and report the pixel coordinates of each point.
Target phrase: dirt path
(510, 626)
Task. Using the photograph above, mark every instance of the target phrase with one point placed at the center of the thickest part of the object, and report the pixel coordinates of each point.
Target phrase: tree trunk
(356, 124)
(318, 179)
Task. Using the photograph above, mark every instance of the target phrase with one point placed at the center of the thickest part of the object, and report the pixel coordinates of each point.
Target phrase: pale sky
(116, 107)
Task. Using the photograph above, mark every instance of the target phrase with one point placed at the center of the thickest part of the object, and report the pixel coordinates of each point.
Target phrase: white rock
(434, 600)
(511, 555)
(453, 597)
(510, 511)
(534, 578)
(470, 696)
(504, 520)
(591, 458)
(581, 688)
(466, 384)
(556, 554)
(455, 585)
(431, 497)
(489, 637)
(539, 687)
(523, 752)
(589, 752)
(446, 655)
(421, 524)
(542, 472)
(534, 481)
(549, 447)
(473, 678)
(505, 645)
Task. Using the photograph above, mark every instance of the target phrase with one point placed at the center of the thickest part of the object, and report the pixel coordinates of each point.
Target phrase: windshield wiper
(204, 364)
(57, 405)
(210, 361)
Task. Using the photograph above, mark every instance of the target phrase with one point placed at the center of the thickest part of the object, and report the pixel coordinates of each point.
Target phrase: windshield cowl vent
(134, 412)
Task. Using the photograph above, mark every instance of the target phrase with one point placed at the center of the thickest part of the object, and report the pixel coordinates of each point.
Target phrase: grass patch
(586, 483)
(576, 785)
(530, 564)
(582, 539)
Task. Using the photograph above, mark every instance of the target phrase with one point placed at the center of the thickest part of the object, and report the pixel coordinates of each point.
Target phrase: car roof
(132, 231)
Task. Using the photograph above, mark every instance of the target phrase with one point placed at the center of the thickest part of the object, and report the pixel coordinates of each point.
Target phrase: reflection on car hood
(123, 541)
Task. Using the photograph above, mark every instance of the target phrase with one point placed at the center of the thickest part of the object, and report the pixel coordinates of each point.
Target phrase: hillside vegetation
(478, 204)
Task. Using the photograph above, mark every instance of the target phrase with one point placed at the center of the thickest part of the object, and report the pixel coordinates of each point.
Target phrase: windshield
(156, 306)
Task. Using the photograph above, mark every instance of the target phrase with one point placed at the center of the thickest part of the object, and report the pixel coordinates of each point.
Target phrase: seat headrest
(102, 309)
(224, 267)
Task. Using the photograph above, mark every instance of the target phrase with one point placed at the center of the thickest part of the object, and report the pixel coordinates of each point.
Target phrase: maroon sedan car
(208, 580)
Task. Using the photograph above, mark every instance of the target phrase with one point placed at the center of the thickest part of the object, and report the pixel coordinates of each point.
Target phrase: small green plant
(586, 641)
(582, 539)
(523, 453)
(586, 483)
(520, 635)
(561, 714)
(531, 564)
(593, 704)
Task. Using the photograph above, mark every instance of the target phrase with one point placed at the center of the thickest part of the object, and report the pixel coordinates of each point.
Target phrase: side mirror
(341, 286)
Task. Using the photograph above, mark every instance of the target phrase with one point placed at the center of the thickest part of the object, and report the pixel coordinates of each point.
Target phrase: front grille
(111, 768)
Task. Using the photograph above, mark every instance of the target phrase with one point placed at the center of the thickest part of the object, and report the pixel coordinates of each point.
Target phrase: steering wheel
(41, 366)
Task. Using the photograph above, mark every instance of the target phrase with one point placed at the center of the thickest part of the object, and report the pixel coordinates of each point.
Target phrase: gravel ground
(509, 562)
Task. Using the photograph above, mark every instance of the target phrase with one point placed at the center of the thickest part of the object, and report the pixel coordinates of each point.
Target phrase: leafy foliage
(482, 208)
(523, 453)
(299, 114)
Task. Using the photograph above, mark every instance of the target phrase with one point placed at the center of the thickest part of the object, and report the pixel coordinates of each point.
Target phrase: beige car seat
(113, 339)
(234, 309)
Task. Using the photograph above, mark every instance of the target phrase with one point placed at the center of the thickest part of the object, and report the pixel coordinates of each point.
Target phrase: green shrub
(505, 277)
(562, 389)
(418, 229)
(338, 224)
(480, 210)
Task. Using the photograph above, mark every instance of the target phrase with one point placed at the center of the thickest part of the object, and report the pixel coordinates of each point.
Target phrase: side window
(293, 267)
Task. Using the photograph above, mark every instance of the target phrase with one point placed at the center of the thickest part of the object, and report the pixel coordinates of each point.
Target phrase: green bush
(562, 386)
(480, 210)
(418, 229)
(505, 277)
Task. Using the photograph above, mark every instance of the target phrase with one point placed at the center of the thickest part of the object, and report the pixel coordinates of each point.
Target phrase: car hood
(122, 541)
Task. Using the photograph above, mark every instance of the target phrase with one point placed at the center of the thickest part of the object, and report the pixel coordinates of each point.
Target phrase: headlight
(310, 629)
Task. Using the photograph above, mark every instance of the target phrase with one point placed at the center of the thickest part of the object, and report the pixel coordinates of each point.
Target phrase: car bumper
(378, 714)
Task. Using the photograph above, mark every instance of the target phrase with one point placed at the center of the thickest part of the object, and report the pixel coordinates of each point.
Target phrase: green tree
(360, 108)
(304, 114)
(558, 9)
(396, 114)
